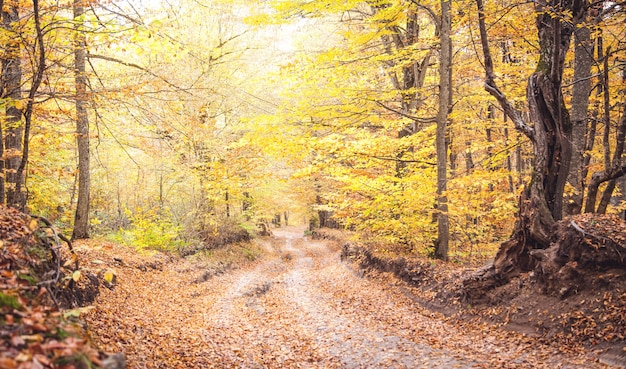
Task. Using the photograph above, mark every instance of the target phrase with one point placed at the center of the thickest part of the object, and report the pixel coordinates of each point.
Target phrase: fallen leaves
(33, 333)
(311, 311)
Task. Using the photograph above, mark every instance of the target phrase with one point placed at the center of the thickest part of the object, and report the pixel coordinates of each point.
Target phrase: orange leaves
(316, 313)
(7, 363)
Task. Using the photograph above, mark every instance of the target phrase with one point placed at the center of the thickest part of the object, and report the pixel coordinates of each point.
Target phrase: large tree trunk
(81, 218)
(541, 204)
(550, 131)
(11, 90)
(445, 92)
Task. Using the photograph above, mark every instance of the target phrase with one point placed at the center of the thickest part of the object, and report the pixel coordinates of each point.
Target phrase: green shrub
(151, 229)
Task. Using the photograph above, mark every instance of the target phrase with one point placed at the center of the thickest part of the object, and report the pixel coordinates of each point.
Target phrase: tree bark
(39, 64)
(445, 93)
(11, 91)
(616, 161)
(583, 60)
(621, 184)
(227, 200)
(590, 137)
(613, 167)
(81, 217)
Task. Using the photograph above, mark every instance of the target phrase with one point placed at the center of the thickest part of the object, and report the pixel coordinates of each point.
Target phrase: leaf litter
(307, 311)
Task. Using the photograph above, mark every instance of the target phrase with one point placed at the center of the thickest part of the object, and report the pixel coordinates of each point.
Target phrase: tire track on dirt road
(356, 345)
(355, 322)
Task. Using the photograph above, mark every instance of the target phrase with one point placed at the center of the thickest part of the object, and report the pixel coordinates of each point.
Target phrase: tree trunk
(550, 131)
(583, 60)
(616, 170)
(81, 218)
(621, 184)
(445, 92)
(509, 162)
(541, 203)
(39, 63)
(469, 158)
(227, 199)
(11, 91)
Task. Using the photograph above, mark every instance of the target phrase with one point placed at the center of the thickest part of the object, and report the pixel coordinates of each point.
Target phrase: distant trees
(408, 40)
(408, 76)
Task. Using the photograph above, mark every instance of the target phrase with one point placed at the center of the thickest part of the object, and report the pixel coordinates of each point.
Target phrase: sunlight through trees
(371, 114)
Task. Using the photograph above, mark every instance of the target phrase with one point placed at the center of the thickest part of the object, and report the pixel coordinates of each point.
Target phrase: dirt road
(301, 308)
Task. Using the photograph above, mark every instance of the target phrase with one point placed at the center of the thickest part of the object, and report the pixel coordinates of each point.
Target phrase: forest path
(301, 308)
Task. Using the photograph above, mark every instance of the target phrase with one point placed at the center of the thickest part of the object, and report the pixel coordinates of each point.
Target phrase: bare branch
(396, 159)
(490, 79)
(136, 66)
(412, 117)
(436, 20)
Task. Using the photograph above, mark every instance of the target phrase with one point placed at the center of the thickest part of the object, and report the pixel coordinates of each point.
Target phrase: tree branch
(398, 160)
(40, 66)
(412, 117)
(490, 79)
(136, 66)
(436, 20)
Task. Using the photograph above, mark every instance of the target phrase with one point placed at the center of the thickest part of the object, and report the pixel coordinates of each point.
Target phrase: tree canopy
(211, 114)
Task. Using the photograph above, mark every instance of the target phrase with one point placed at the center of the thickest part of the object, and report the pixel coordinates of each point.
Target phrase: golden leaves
(76, 275)
(109, 275)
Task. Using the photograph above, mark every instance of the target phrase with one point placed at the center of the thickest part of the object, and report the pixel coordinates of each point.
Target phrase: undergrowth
(151, 229)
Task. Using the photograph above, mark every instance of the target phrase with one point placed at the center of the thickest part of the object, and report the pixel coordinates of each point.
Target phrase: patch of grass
(37, 251)
(151, 229)
(28, 278)
(62, 333)
(150, 237)
(9, 301)
(249, 254)
(78, 360)
(236, 254)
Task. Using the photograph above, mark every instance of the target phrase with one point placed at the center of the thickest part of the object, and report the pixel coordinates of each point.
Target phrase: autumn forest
(414, 140)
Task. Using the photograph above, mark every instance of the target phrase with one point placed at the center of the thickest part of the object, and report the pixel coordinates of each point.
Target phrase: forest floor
(297, 306)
